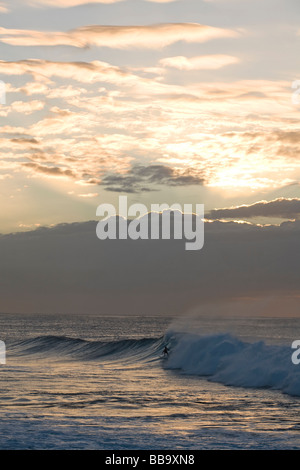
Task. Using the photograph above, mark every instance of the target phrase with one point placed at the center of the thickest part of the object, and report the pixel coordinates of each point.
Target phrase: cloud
(67, 268)
(120, 37)
(4, 7)
(154, 121)
(278, 208)
(85, 72)
(67, 3)
(224, 1)
(278, 135)
(161, 1)
(53, 171)
(88, 195)
(5, 176)
(24, 140)
(27, 107)
(205, 62)
(144, 178)
(287, 136)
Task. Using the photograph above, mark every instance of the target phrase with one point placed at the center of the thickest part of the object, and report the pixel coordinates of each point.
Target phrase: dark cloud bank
(68, 269)
(142, 178)
(280, 208)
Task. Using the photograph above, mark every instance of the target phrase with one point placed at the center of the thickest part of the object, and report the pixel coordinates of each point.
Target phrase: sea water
(96, 382)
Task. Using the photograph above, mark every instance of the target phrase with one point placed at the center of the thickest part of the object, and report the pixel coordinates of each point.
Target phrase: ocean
(97, 382)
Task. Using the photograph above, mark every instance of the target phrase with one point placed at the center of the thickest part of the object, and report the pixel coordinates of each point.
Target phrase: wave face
(65, 347)
(226, 359)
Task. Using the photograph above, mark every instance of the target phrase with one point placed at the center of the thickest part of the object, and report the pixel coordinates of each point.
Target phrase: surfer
(166, 351)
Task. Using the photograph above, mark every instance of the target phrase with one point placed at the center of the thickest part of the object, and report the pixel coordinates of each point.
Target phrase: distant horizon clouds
(66, 268)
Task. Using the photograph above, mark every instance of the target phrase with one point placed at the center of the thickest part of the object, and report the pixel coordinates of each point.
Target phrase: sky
(186, 101)
(164, 101)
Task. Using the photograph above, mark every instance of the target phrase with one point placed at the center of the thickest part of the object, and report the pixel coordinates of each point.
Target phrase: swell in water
(221, 358)
(75, 348)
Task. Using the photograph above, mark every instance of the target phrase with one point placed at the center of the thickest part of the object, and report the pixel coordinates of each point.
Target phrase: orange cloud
(205, 62)
(68, 3)
(99, 129)
(120, 37)
(23, 107)
(88, 195)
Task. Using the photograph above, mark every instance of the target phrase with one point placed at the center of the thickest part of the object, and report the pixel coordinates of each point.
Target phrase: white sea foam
(231, 361)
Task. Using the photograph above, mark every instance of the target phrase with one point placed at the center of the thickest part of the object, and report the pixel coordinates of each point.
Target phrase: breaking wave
(220, 358)
(228, 360)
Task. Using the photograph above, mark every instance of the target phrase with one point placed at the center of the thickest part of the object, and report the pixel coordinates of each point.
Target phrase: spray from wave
(227, 359)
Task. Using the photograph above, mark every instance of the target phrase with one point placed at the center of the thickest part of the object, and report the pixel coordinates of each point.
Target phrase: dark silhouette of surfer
(166, 351)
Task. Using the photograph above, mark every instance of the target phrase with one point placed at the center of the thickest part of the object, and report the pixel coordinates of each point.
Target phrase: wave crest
(66, 347)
